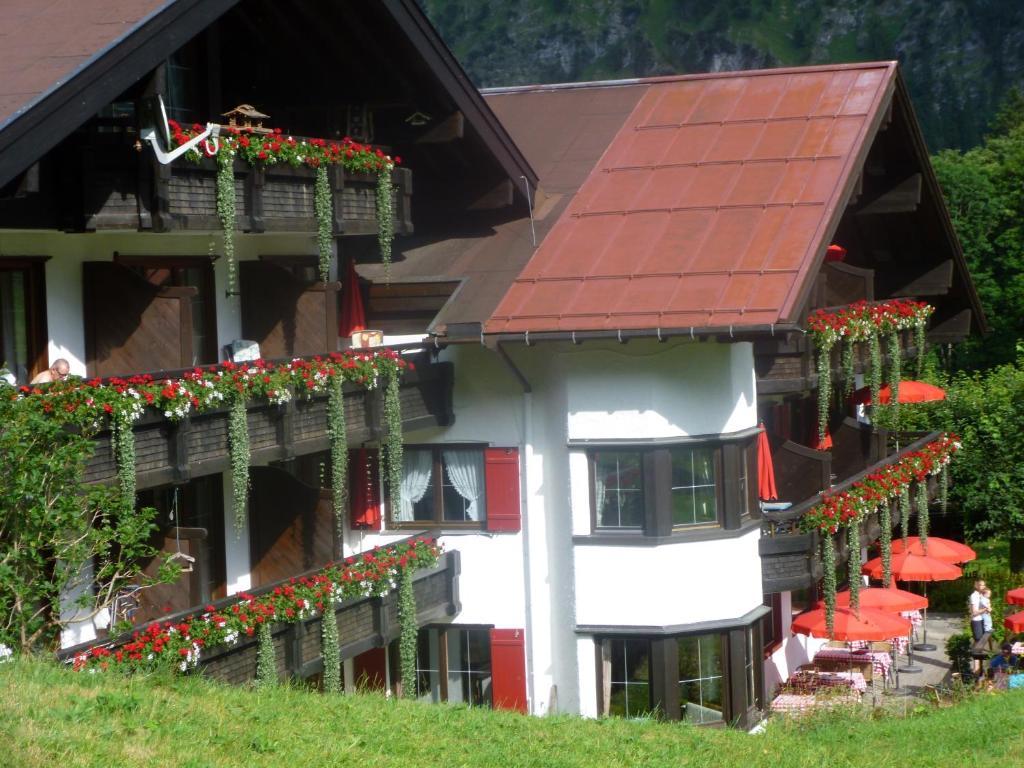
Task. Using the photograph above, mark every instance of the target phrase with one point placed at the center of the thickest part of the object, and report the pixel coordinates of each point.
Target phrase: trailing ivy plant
(828, 564)
(919, 344)
(226, 211)
(323, 206)
(238, 445)
(895, 372)
(330, 650)
(385, 221)
(408, 632)
(905, 515)
(875, 370)
(824, 387)
(944, 490)
(847, 366)
(923, 514)
(122, 438)
(853, 563)
(266, 663)
(393, 441)
(885, 541)
(338, 434)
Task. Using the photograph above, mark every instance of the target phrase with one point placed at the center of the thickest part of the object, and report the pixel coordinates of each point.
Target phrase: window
(443, 486)
(23, 338)
(618, 490)
(453, 664)
(694, 491)
(701, 687)
(626, 676)
(660, 490)
(771, 623)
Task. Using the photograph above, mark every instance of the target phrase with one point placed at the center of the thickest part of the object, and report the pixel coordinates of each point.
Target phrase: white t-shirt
(976, 603)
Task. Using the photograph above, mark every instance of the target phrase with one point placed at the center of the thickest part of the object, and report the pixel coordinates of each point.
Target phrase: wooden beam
(905, 197)
(500, 196)
(951, 329)
(449, 129)
(845, 283)
(933, 281)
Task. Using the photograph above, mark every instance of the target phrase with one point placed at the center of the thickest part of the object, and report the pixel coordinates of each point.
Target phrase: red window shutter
(508, 669)
(363, 495)
(501, 476)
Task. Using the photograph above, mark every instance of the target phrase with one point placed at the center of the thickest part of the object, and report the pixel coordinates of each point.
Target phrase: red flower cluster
(202, 389)
(181, 643)
(861, 319)
(270, 149)
(865, 496)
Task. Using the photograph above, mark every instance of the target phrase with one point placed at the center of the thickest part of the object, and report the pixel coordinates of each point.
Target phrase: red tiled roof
(709, 208)
(43, 42)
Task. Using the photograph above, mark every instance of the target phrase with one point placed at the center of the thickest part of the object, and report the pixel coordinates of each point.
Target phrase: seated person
(1006, 661)
(56, 372)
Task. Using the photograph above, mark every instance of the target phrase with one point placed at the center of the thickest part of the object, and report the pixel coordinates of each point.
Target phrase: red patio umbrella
(910, 392)
(888, 599)
(353, 317)
(1015, 596)
(1014, 622)
(867, 624)
(946, 550)
(765, 469)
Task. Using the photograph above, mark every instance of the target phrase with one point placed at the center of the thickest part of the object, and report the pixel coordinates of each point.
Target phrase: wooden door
(291, 526)
(132, 326)
(286, 315)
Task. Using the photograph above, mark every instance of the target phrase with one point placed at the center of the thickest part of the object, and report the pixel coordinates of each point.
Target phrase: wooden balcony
(122, 189)
(789, 558)
(362, 624)
(173, 452)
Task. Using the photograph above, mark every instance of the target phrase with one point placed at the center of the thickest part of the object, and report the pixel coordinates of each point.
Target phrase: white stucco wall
(64, 318)
(794, 650)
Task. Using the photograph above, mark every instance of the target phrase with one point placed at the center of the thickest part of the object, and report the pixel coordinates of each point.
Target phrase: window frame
(437, 470)
(440, 633)
(37, 344)
(734, 462)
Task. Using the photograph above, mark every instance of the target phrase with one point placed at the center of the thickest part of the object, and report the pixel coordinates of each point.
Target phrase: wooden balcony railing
(173, 452)
(789, 557)
(363, 624)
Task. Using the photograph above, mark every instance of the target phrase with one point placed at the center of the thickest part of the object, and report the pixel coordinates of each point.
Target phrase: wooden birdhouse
(248, 117)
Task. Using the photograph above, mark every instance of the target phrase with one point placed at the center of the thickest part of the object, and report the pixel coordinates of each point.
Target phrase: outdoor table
(915, 617)
(1018, 649)
(795, 703)
(899, 644)
(811, 681)
(881, 662)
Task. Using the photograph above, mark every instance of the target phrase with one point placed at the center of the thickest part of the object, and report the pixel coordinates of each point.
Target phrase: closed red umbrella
(910, 392)
(765, 469)
(353, 316)
(866, 624)
(1015, 596)
(946, 550)
(884, 599)
(1014, 622)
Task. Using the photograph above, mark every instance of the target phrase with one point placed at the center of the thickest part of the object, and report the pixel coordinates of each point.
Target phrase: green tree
(59, 537)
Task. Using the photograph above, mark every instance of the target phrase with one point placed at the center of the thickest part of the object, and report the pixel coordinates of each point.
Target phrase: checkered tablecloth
(915, 617)
(899, 644)
(881, 662)
(795, 703)
(810, 681)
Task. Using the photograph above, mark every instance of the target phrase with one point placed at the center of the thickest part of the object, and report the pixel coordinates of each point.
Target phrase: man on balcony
(58, 371)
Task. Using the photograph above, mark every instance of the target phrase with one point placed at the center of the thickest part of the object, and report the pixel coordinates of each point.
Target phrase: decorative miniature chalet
(248, 117)
(604, 286)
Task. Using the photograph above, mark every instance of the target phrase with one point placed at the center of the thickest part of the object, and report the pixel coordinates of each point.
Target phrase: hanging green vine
(123, 439)
(905, 515)
(922, 514)
(338, 433)
(847, 366)
(329, 649)
(226, 212)
(408, 633)
(895, 372)
(828, 564)
(853, 563)
(385, 219)
(944, 489)
(885, 539)
(824, 386)
(920, 344)
(874, 369)
(393, 441)
(238, 444)
(266, 663)
(323, 206)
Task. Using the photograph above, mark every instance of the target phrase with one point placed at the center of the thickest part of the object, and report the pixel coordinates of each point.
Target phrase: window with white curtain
(442, 485)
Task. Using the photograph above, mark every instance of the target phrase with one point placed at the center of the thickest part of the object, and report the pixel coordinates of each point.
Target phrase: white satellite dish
(208, 138)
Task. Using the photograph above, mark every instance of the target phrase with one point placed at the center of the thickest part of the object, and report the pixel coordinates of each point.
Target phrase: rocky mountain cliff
(959, 56)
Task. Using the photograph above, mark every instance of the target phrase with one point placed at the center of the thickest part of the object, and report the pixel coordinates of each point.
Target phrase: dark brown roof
(43, 43)
(709, 208)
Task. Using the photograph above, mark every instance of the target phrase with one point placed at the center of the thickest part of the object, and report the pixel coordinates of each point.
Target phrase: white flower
(6, 654)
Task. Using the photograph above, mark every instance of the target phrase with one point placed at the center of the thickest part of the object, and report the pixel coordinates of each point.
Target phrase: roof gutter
(623, 335)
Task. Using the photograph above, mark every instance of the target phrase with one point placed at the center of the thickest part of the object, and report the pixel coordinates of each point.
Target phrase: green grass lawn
(53, 717)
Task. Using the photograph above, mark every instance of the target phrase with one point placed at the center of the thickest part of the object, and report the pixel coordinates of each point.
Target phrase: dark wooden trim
(53, 116)
(635, 538)
(697, 628)
(642, 443)
(664, 673)
(437, 475)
